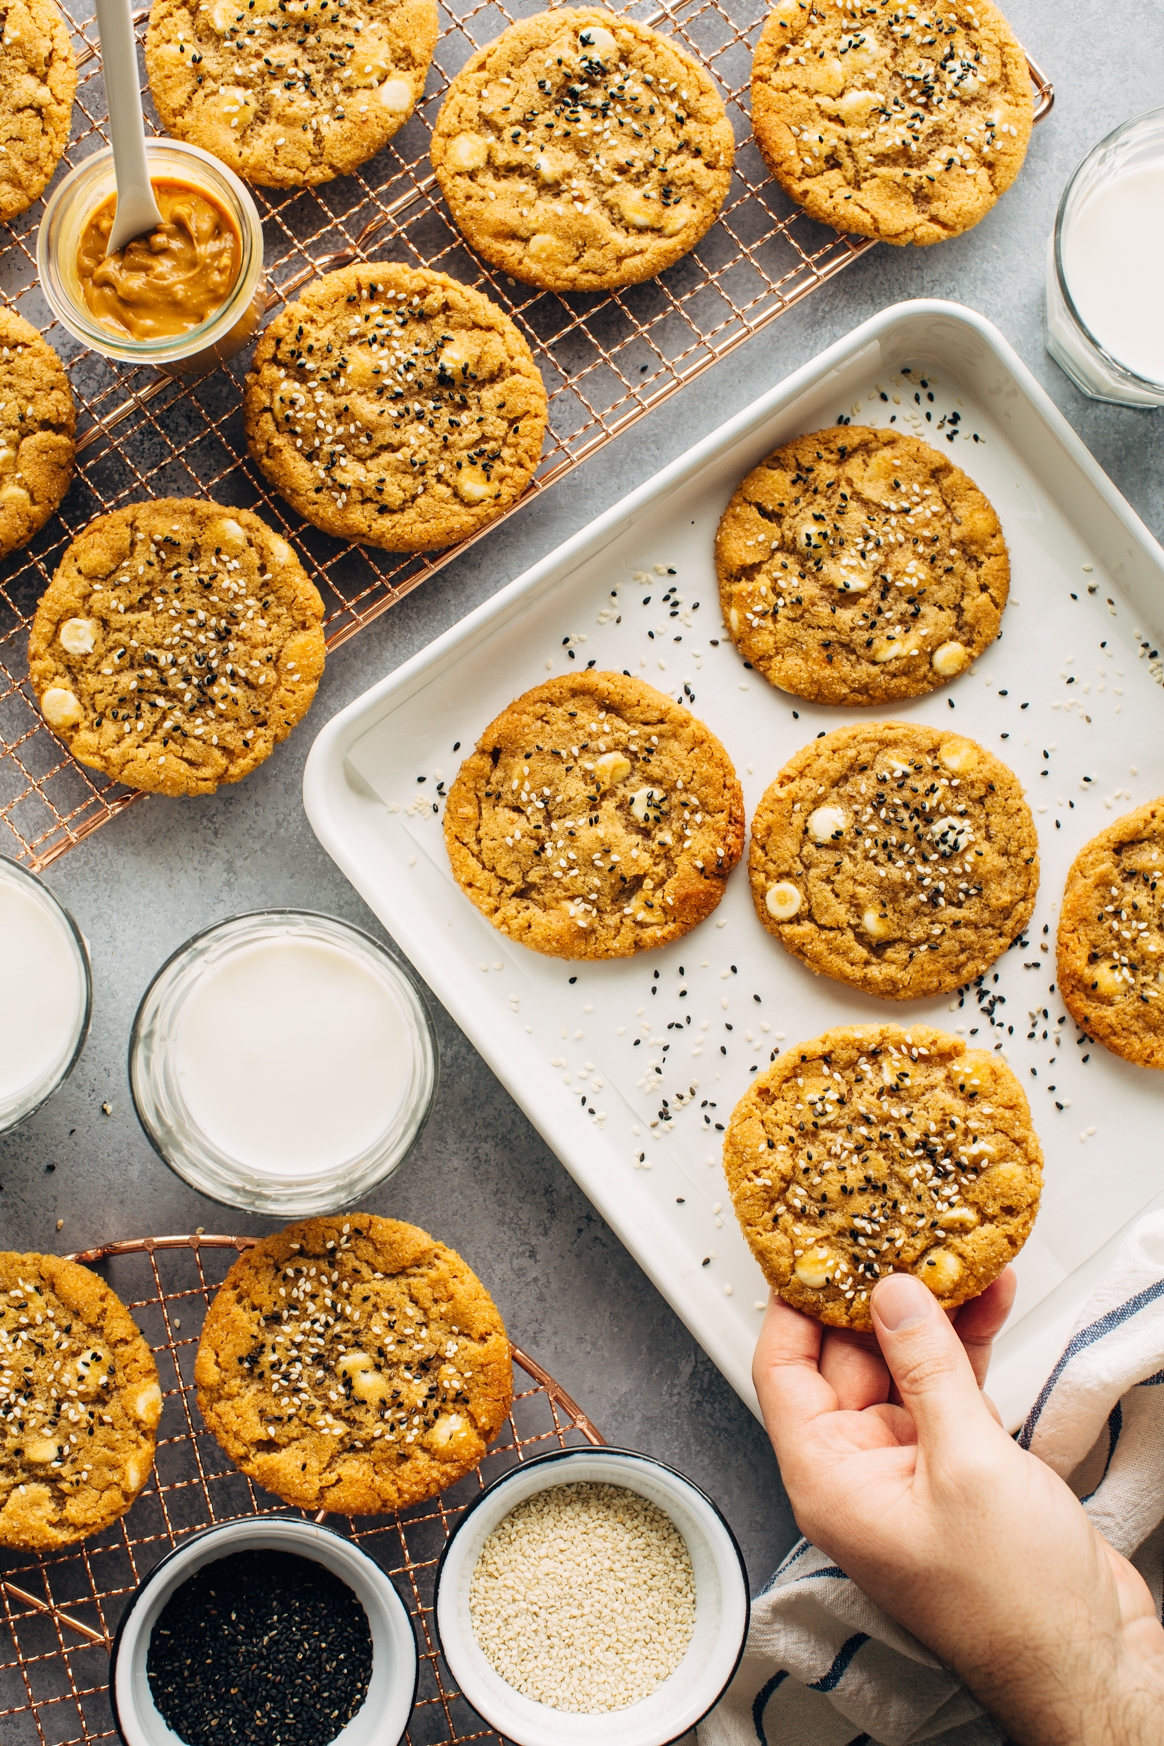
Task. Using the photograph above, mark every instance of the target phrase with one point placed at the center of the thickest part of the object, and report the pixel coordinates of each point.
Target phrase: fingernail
(902, 1301)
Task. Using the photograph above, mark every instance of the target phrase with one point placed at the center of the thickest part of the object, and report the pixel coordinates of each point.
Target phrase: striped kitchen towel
(825, 1667)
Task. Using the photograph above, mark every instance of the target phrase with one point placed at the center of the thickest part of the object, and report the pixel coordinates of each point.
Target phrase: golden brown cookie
(874, 1150)
(37, 421)
(79, 1403)
(580, 151)
(905, 123)
(1111, 943)
(289, 93)
(595, 819)
(176, 645)
(860, 566)
(353, 1363)
(38, 77)
(896, 858)
(394, 406)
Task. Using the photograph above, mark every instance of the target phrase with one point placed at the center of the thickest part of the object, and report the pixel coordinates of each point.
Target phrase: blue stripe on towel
(761, 1703)
(835, 1674)
(1079, 1343)
(1115, 1424)
(1152, 1381)
(829, 1570)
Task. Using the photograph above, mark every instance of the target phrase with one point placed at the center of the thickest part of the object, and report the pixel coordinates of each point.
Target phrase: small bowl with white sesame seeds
(592, 1594)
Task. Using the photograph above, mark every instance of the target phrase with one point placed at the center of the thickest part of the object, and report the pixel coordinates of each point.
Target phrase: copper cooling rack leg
(22, 1594)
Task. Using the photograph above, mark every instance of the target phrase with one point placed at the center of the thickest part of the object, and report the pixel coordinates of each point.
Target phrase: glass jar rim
(1133, 378)
(172, 349)
(195, 1156)
(39, 1091)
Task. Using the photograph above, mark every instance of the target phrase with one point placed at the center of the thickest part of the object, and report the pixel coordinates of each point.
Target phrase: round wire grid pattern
(606, 360)
(60, 1612)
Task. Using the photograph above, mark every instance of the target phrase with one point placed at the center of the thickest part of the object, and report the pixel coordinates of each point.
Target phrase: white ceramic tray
(1069, 696)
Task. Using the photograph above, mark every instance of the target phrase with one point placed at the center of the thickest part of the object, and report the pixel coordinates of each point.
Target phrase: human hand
(897, 1467)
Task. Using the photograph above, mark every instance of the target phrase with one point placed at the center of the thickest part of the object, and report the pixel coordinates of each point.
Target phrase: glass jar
(1105, 267)
(201, 348)
(283, 1062)
(46, 993)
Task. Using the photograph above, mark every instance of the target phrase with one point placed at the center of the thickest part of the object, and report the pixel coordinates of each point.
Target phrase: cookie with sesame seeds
(353, 1363)
(900, 122)
(38, 79)
(1111, 941)
(581, 151)
(896, 858)
(394, 406)
(595, 819)
(37, 423)
(874, 1150)
(79, 1403)
(176, 645)
(860, 566)
(289, 93)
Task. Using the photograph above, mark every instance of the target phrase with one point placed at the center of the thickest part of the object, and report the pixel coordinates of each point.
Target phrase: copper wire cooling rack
(59, 1613)
(606, 360)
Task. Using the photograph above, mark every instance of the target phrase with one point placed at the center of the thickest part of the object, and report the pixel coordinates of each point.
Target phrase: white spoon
(137, 210)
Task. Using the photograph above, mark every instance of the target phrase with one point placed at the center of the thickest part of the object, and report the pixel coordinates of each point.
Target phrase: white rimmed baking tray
(1069, 696)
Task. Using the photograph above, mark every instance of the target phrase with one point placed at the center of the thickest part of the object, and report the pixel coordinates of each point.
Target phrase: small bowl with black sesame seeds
(592, 1594)
(269, 1627)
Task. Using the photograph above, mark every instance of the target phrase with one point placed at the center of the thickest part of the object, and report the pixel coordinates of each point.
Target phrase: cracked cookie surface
(289, 93)
(1111, 937)
(38, 77)
(37, 423)
(176, 645)
(79, 1403)
(581, 151)
(595, 819)
(874, 1150)
(905, 123)
(859, 566)
(355, 1364)
(896, 858)
(395, 406)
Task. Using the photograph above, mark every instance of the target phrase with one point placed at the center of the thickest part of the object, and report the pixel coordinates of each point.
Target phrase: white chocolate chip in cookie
(597, 44)
(472, 485)
(783, 900)
(958, 755)
(281, 552)
(612, 767)
(451, 1431)
(227, 535)
(549, 173)
(468, 151)
(877, 924)
(948, 659)
(147, 1405)
(815, 1269)
(892, 648)
(79, 635)
(60, 707)
(1108, 980)
(40, 1451)
(827, 823)
(647, 804)
(639, 210)
(940, 1270)
(548, 250)
(958, 1218)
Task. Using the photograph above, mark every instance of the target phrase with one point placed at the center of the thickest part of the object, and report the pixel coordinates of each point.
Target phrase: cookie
(394, 406)
(176, 645)
(896, 858)
(904, 123)
(860, 566)
(79, 1403)
(289, 93)
(37, 422)
(580, 151)
(38, 77)
(1111, 944)
(595, 819)
(353, 1364)
(874, 1150)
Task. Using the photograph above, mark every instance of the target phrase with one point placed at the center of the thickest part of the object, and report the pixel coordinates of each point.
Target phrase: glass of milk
(1105, 303)
(283, 1062)
(46, 993)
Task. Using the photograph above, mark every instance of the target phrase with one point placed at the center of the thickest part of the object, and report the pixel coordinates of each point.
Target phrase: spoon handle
(137, 210)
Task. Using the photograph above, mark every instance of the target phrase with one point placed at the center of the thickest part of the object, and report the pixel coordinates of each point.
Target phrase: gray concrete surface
(481, 1177)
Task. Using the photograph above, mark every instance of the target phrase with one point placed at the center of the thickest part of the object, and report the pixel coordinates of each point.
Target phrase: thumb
(926, 1359)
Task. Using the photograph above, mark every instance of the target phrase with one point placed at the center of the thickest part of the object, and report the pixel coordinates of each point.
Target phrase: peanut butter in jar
(168, 280)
